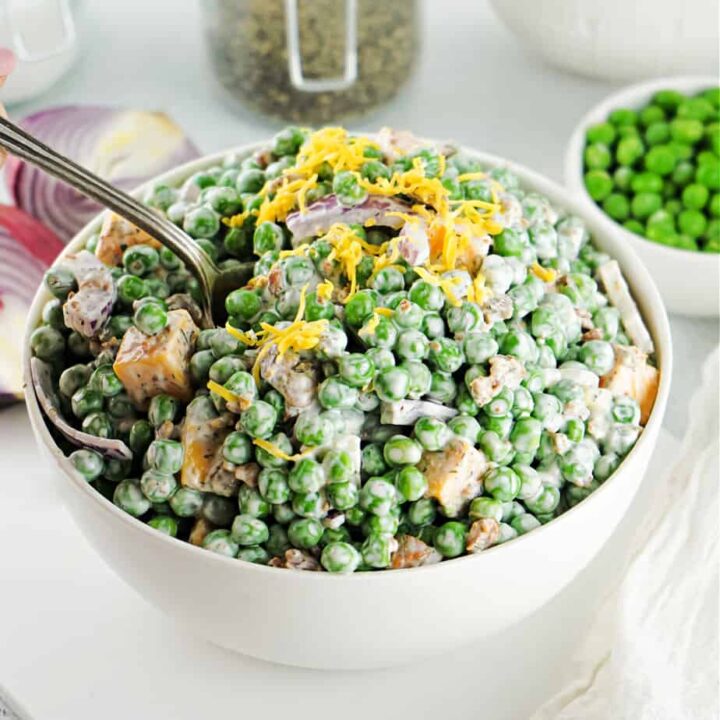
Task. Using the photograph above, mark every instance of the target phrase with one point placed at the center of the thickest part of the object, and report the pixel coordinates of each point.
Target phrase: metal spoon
(215, 284)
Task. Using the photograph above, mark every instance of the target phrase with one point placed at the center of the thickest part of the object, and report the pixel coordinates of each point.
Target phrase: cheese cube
(150, 365)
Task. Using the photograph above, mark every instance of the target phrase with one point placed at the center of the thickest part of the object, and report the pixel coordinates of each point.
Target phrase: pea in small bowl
(688, 280)
(363, 620)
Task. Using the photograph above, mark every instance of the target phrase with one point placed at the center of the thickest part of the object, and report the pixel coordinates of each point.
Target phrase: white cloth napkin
(652, 650)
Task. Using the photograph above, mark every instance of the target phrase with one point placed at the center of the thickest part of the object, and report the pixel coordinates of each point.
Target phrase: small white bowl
(688, 281)
(373, 619)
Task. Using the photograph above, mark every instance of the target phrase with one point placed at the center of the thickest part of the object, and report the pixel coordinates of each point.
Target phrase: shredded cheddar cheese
(277, 452)
(547, 275)
(324, 290)
(222, 391)
(331, 145)
(447, 285)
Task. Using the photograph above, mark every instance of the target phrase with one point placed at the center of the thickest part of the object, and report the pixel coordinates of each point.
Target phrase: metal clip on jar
(311, 61)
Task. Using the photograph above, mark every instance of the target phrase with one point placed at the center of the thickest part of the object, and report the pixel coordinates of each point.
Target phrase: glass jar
(311, 61)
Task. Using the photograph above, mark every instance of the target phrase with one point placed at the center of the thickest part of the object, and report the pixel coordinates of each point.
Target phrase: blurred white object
(689, 281)
(618, 39)
(652, 650)
(43, 36)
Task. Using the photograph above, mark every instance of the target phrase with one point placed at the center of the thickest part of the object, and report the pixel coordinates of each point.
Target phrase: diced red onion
(323, 213)
(26, 249)
(125, 147)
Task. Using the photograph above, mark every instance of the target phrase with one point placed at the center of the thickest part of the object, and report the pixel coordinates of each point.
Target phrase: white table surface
(76, 642)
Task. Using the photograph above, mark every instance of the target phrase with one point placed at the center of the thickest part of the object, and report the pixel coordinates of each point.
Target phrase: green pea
(334, 393)
(163, 408)
(616, 206)
(634, 226)
(603, 133)
(157, 486)
(305, 533)
(201, 222)
(340, 557)
(502, 483)
(312, 505)
(259, 419)
(222, 542)
(411, 483)
(377, 496)
(692, 223)
(598, 355)
(165, 524)
(150, 318)
(392, 384)
(244, 304)
(372, 170)
(450, 539)
(426, 296)
(623, 117)
(625, 410)
(140, 259)
(186, 502)
(377, 549)
(463, 319)
(306, 476)
(273, 486)
(422, 512)
(88, 463)
(343, 495)
(338, 467)
(347, 189)
(313, 430)
(709, 175)
(249, 530)
(695, 196)
(629, 150)
(401, 450)
(73, 378)
(443, 388)
(412, 345)
(60, 282)
(420, 378)
(622, 178)
(645, 204)
(657, 133)
(597, 156)
(686, 130)
(129, 497)
(165, 456)
(360, 307)
(86, 401)
(47, 343)
(485, 507)
(356, 369)
(660, 159)
(522, 524)
(432, 433)
(525, 435)
(599, 184)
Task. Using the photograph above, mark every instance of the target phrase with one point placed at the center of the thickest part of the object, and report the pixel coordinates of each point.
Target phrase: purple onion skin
(75, 131)
(323, 213)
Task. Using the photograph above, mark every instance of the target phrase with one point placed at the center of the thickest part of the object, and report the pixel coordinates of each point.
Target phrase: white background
(75, 642)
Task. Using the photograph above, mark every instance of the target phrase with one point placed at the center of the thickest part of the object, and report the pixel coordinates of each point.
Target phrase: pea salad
(428, 360)
(656, 170)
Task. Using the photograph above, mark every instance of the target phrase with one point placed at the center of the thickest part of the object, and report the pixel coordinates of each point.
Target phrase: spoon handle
(25, 146)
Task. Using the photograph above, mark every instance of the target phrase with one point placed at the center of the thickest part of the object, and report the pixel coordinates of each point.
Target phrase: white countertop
(75, 642)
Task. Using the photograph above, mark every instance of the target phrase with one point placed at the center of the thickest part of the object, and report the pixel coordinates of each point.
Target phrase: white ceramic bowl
(617, 39)
(688, 281)
(365, 619)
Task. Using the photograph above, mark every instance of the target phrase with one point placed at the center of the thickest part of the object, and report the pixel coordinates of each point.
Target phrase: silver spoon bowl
(215, 284)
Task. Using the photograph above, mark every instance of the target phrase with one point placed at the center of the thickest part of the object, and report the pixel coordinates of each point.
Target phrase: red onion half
(27, 248)
(125, 147)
